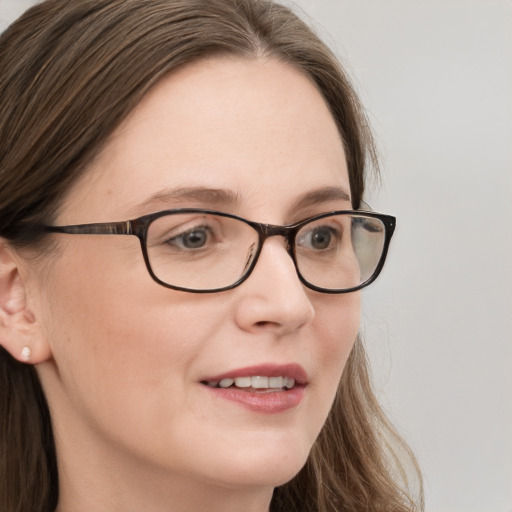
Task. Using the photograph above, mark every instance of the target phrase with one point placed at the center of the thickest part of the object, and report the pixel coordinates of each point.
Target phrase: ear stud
(26, 353)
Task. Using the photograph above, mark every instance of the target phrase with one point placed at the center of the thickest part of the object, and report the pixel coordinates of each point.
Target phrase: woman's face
(130, 358)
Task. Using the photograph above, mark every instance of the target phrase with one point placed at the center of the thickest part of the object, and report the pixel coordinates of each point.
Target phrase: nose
(273, 298)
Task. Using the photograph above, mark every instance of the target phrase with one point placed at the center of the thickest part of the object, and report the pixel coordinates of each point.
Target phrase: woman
(214, 363)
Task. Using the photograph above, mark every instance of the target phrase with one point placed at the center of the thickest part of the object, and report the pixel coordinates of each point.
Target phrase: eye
(192, 239)
(319, 238)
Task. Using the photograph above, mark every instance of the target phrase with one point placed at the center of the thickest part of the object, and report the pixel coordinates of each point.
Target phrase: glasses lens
(200, 251)
(340, 252)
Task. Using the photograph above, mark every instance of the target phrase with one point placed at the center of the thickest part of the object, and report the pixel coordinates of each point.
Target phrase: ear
(20, 332)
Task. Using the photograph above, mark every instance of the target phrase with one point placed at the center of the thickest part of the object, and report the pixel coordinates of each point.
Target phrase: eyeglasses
(204, 251)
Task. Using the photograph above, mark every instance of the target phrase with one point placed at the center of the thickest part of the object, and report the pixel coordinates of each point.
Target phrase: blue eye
(193, 239)
(319, 238)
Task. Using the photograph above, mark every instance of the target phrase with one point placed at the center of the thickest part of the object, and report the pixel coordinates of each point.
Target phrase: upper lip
(295, 371)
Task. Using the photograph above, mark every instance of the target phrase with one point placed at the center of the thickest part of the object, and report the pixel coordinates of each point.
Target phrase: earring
(26, 353)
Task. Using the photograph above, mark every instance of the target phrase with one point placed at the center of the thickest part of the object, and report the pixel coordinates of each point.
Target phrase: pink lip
(267, 402)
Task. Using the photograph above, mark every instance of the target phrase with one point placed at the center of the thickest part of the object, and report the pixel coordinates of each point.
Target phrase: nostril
(264, 323)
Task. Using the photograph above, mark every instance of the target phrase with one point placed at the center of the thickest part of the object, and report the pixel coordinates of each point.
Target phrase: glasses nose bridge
(287, 232)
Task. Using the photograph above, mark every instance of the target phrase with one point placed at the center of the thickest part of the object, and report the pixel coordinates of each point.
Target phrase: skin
(121, 357)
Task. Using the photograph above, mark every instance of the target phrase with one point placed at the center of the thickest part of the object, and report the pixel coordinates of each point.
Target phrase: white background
(436, 78)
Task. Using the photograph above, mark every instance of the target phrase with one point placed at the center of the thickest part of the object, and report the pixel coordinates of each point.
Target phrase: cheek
(338, 320)
(116, 333)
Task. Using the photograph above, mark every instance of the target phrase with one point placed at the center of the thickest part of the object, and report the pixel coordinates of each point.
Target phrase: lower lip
(263, 402)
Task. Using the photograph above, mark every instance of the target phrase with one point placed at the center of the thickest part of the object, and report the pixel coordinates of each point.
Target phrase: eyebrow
(319, 196)
(205, 196)
(215, 197)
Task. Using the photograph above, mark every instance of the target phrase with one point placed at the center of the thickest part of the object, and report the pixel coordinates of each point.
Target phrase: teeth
(276, 382)
(225, 383)
(243, 382)
(259, 382)
(256, 382)
(289, 382)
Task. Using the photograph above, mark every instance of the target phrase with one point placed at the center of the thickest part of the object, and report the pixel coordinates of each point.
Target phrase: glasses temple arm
(105, 228)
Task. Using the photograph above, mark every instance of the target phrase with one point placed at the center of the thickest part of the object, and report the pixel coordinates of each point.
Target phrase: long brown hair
(70, 72)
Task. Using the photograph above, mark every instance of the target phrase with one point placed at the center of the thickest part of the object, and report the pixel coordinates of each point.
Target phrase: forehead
(257, 128)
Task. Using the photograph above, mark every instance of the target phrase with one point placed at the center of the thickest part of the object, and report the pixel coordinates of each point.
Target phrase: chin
(265, 465)
(269, 476)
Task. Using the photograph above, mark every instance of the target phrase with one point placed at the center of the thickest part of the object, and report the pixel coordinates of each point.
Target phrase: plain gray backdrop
(436, 78)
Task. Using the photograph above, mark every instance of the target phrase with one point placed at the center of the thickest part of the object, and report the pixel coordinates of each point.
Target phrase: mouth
(254, 383)
(265, 378)
(265, 388)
